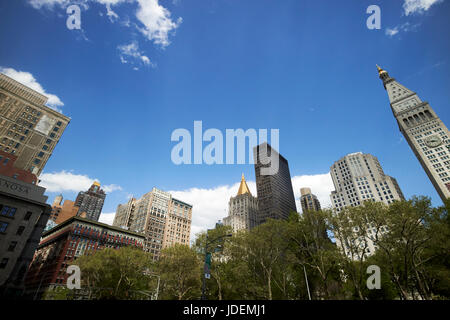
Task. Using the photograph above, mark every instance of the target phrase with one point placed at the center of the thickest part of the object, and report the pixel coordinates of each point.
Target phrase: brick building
(60, 246)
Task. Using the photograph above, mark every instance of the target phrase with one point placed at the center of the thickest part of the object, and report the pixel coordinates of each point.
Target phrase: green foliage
(270, 261)
(58, 293)
(179, 268)
(117, 274)
(291, 259)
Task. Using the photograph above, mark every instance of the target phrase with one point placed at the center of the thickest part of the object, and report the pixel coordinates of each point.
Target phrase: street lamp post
(206, 257)
(307, 285)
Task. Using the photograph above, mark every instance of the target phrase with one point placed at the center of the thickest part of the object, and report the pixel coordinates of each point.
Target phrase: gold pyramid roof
(243, 188)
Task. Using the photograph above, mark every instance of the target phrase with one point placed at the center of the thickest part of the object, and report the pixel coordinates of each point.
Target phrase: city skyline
(314, 96)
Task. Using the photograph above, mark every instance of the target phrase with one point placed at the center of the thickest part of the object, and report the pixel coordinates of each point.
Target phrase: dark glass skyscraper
(275, 194)
(91, 202)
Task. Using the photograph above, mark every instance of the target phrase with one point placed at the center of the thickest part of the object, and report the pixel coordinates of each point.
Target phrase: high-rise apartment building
(29, 130)
(308, 201)
(91, 202)
(242, 209)
(163, 220)
(424, 131)
(274, 190)
(358, 177)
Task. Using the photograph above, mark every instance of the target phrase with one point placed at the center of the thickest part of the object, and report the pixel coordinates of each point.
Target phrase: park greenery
(294, 259)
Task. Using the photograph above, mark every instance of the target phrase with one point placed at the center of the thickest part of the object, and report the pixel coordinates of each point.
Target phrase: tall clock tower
(426, 134)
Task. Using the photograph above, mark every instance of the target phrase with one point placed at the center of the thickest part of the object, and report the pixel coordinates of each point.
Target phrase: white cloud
(68, 181)
(131, 50)
(107, 218)
(37, 4)
(111, 14)
(405, 27)
(28, 80)
(211, 205)
(418, 6)
(65, 181)
(111, 187)
(157, 21)
(392, 32)
(50, 4)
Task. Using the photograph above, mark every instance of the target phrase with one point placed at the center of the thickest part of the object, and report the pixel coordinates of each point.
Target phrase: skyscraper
(29, 130)
(308, 200)
(163, 220)
(425, 133)
(242, 209)
(275, 194)
(91, 202)
(358, 177)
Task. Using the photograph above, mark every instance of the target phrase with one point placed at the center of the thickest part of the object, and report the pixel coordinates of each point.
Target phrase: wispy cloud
(425, 69)
(153, 20)
(411, 7)
(129, 53)
(405, 27)
(28, 80)
(418, 6)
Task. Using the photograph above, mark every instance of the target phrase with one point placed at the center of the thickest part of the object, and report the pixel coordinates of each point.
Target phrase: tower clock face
(433, 141)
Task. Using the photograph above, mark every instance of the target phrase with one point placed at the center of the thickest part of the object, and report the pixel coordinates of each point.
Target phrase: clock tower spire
(424, 131)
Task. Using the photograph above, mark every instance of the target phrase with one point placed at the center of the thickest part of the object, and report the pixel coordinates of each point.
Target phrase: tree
(179, 268)
(350, 228)
(314, 251)
(117, 273)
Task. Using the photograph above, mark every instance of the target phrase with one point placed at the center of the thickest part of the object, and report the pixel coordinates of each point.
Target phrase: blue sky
(307, 68)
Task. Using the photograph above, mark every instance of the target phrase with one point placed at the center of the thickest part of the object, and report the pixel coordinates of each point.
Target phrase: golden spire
(96, 183)
(380, 70)
(243, 188)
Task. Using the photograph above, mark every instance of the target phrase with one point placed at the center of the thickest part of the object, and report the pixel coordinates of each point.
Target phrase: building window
(27, 216)
(20, 230)
(12, 245)
(3, 263)
(7, 211)
(3, 226)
